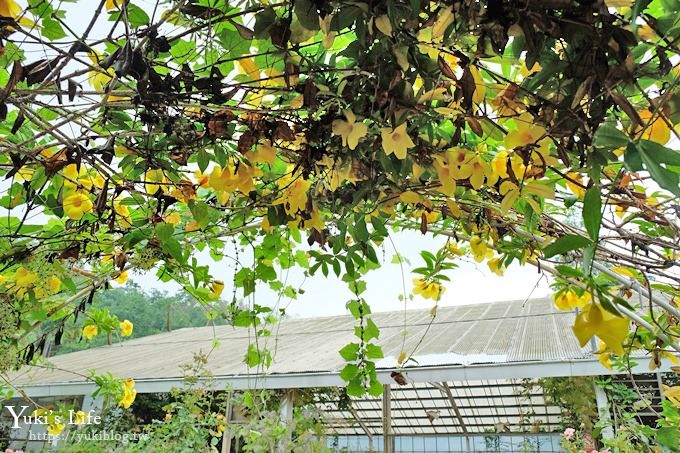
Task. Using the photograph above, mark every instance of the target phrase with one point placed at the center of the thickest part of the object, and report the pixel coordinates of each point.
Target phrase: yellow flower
(495, 266)
(459, 163)
(126, 328)
(480, 249)
(480, 171)
(446, 179)
(672, 393)
(113, 4)
(609, 328)
(655, 127)
(435, 94)
(429, 290)
(294, 197)
(216, 288)
(527, 133)
(505, 104)
(90, 331)
(123, 214)
(172, 218)
(53, 284)
(568, 300)
(80, 417)
(396, 141)
(122, 277)
(77, 205)
(230, 178)
(605, 358)
(264, 153)
(499, 164)
(350, 131)
(55, 429)
(10, 8)
(129, 394)
(23, 278)
(453, 249)
(620, 210)
(100, 78)
(409, 197)
(575, 184)
(202, 179)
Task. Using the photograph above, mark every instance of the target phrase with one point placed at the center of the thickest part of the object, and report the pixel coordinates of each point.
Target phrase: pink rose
(569, 433)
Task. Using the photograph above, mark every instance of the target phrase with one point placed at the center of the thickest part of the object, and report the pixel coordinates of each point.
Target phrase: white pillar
(286, 412)
(603, 411)
(227, 435)
(387, 419)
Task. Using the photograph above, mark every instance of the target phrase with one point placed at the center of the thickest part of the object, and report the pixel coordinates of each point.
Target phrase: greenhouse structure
(466, 393)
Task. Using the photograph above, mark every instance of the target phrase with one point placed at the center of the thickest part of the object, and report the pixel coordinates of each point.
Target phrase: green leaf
(660, 153)
(244, 318)
(565, 244)
(183, 51)
(169, 244)
(135, 15)
(200, 210)
(349, 351)
(164, 231)
(588, 255)
(373, 351)
(376, 388)
(360, 230)
(631, 158)
(668, 437)
(349, 372)
(354, 307)
(265, 273)
(355, 388)
(592, 212)
(654, 157)
(252, 358)
(608, 136)
(264, 20)
(306, 12)
(569, 271)
(51, 29)
(379, 226)
(371, 330)
(245, 278)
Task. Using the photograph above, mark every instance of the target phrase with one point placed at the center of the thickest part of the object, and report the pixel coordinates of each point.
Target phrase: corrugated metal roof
(500, 332)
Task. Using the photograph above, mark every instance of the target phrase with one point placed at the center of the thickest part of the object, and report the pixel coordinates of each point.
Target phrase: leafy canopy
(528, 131)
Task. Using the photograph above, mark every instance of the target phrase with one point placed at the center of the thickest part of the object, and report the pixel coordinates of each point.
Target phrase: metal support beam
(475, 372)
(456, 410)
(387, 418)
(603, 411)
(361, 423)
(659, 384)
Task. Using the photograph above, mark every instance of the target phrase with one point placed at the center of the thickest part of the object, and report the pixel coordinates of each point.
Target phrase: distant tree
(151, 312)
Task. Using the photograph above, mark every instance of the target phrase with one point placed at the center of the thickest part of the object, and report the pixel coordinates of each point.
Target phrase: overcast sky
(470, 283)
